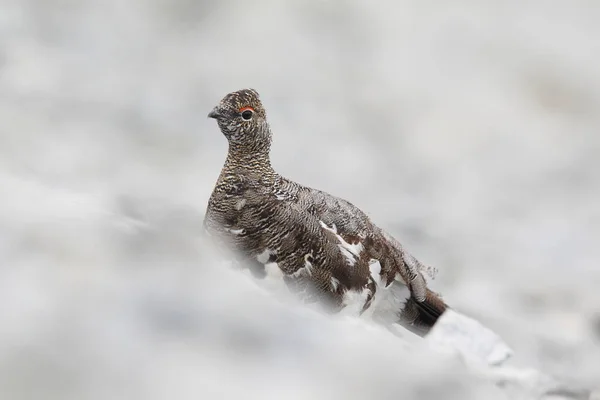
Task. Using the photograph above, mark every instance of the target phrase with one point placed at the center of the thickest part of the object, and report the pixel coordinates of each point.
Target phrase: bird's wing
(352, 226)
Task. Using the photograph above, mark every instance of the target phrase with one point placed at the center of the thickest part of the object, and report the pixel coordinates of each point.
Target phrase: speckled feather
(325, 247)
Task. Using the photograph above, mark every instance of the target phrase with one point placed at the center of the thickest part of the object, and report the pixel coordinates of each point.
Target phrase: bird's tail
(422, 307)
(420, 316)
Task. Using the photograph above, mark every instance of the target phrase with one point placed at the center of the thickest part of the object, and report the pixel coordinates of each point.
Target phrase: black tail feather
(420, 316)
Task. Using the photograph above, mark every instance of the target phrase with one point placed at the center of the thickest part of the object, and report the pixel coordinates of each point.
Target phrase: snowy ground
(468, 129)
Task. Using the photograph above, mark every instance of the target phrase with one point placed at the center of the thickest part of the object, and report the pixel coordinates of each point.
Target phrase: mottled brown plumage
(327, 249)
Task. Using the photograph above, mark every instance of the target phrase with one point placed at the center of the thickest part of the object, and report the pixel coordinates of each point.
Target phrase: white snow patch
(263, 257)
(399, 278)
(470, 338)
(354, 301)
(273, 271)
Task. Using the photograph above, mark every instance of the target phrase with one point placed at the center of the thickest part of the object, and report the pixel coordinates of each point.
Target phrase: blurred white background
(468, 129)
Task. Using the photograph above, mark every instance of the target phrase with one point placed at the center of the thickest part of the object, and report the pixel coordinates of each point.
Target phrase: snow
(471, 129)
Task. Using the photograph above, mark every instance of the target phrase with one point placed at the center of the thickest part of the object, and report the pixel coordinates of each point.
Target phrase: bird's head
(243, 121)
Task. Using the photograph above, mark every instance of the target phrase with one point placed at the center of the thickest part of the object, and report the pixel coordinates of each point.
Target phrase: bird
(325, 249)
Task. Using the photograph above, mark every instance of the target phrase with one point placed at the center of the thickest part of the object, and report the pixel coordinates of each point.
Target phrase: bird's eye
(247, 113)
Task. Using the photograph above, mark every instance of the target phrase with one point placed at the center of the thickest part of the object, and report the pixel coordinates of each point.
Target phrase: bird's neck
(245, 162)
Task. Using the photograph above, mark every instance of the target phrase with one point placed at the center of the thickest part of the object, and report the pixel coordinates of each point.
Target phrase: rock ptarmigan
(327, 249)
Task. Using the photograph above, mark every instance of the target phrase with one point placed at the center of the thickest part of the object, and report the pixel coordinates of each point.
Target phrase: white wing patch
(308, 265)
(240, 204)
(375, 269)
(306, 270)
(236, 232)
(350, 251)
(334, 283)
(333, 228)
(388, 300)
(350, 258)
(274, 274)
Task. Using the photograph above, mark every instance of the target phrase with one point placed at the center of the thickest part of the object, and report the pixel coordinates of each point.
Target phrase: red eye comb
(246, 108)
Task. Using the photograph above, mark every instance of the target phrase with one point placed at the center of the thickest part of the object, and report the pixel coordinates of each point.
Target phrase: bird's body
(326, 249)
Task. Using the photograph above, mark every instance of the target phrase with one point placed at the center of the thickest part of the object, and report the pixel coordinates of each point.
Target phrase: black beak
(214, 114)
